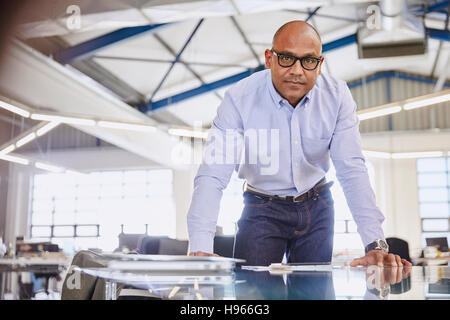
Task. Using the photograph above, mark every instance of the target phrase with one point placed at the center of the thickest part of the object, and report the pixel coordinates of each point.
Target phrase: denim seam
(324, 202)
(308, 219)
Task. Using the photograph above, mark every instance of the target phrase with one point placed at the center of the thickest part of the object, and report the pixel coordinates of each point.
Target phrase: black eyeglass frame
(295, 60)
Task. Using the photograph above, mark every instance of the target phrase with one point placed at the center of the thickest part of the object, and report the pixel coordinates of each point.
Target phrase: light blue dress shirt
(323, 125)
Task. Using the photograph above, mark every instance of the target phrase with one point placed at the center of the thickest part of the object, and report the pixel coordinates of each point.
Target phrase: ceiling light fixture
(10, 107)
(426, 102)
(49, 126)
(381, 111)
(188, 133)
(8, 149)
(14, 159)
(63, 119)
(411, 155)
(26, 139)
(126, 126)
(48, 167)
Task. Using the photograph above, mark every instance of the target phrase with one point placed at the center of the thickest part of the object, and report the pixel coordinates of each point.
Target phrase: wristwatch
(378, 244)
(382, 292)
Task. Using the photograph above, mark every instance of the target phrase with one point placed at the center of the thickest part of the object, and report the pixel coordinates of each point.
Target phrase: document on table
(291, 267)
(301, 267)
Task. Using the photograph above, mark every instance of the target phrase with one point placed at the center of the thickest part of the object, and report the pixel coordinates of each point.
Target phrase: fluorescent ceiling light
(8, 149)
(126, 126)
(14, 109)
(75, 172)
(49, 126)
(426, 102)
(14, 159)
(26, 139)
(410, 155)
(379, 113)
(377, 154)
(48, 167)
(63, 119)
(188, 133)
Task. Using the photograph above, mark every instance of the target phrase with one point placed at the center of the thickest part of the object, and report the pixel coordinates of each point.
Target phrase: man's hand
(203, 254)
(378, 278)
(381, 259)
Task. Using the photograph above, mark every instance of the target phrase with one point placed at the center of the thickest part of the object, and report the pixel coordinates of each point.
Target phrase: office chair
(224, 245)
(163, 245)
(400, 247)
(173, 246)
(130, 241)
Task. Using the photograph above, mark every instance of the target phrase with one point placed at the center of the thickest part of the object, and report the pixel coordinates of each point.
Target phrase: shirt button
(296, 141)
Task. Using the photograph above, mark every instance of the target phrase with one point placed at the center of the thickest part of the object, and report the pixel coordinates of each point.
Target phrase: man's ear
(268, 58)
(320, 65)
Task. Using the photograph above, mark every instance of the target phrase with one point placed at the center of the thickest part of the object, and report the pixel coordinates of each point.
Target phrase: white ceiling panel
(201, 109)
(143, 77)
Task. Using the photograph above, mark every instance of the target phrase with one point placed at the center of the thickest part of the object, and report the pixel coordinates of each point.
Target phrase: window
(433, 179)
(231, 205)
(345, 232)
(87, 211)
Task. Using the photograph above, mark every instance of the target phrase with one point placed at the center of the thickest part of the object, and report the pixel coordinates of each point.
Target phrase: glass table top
(341, 282)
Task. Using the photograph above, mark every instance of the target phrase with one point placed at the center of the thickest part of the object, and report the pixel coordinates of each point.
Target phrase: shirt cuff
(201, 242)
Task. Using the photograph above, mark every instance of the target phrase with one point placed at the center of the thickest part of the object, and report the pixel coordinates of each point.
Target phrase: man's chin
(294, 96)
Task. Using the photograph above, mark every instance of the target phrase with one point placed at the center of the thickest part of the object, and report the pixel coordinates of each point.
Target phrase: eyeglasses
(287, 60)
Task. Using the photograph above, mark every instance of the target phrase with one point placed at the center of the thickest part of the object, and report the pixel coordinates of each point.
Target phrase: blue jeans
(268, 229)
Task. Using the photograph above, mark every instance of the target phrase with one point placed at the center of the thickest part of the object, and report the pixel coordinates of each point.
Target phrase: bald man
(288, 121)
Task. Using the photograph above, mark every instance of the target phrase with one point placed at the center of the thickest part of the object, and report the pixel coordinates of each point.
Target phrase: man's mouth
(295, 83)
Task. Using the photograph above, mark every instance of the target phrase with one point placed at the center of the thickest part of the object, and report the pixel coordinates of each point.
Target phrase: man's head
(300, 39)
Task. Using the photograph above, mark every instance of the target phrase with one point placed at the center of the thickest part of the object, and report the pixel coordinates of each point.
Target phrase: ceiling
(205, 41)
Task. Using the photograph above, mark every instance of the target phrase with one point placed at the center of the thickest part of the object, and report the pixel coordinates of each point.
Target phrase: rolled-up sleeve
(214, 175)
(351, 171)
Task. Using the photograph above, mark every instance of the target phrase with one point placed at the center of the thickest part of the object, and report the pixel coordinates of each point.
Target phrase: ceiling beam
(89, 48)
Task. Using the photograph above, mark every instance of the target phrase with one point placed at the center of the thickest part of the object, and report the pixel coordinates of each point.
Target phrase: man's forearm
(203, 213)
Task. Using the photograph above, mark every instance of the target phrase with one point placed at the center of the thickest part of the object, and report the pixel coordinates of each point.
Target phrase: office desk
(342, 282)
(13, 268)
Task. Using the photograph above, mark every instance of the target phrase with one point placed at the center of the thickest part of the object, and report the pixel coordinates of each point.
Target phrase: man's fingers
(390, 260)
(398, 260)
(406, 269)
(399, 274)
(203, 254)
(379, 260)
(406, 263)
(358, 262)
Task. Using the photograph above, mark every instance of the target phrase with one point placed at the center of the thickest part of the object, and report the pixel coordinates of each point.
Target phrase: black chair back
(163, 245)
(224, 246)
(399, 246)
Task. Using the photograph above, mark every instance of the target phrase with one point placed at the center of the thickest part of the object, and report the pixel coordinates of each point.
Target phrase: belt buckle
(295, 199)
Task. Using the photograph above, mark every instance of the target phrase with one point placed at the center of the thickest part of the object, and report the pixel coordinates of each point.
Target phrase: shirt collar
(279, 100)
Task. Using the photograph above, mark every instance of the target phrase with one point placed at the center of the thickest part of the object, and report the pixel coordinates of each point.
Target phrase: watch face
(382, 244)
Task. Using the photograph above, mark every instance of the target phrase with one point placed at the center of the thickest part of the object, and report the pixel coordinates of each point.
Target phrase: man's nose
(297, 68)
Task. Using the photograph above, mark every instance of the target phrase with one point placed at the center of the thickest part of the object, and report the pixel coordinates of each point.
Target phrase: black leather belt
(310, 194)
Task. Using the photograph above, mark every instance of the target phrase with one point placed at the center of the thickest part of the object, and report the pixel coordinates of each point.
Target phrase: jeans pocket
(326, 198)
(253, 200)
